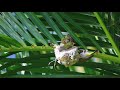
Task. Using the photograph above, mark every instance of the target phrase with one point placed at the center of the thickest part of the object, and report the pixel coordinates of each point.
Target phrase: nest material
(68, 57)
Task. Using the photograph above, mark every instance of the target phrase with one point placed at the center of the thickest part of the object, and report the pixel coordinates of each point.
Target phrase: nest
(67, 54)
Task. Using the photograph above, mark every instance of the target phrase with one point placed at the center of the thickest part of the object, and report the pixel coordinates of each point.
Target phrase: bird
(67, 54)
(67, 42)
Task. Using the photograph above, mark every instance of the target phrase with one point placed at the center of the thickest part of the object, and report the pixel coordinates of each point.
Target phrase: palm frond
(28, 35)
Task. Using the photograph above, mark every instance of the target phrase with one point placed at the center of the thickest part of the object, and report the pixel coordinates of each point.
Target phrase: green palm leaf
(27, 35)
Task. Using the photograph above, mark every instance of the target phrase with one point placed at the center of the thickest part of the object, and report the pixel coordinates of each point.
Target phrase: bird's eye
(80, 51)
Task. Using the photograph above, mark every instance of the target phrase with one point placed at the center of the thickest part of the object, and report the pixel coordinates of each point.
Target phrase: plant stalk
(26, 48)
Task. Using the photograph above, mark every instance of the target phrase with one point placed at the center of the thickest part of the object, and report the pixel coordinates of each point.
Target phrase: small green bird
(67, 42)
